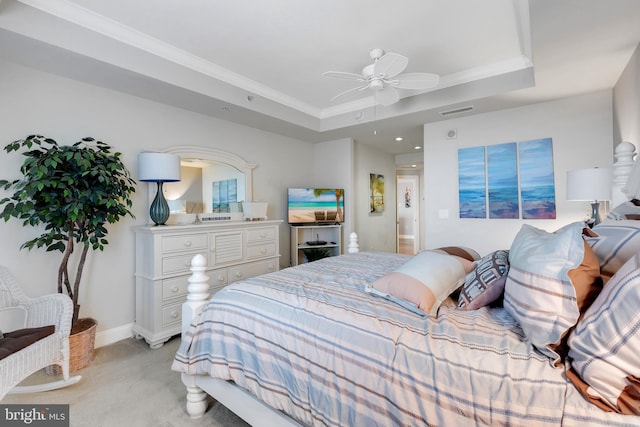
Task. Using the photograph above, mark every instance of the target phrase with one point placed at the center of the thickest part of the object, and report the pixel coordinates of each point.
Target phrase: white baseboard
(113, 335)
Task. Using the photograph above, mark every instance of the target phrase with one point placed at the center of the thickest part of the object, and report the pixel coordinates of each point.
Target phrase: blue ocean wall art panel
(471, 183)
(502, 180)
(537, 186)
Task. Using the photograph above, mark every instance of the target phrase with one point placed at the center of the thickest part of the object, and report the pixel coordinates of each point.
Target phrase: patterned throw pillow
(422, 283)
(539, 292)
(616, 243)
(485, 284)
(604, 347)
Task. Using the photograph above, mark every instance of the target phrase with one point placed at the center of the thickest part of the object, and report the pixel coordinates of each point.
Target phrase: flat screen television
(315, 206)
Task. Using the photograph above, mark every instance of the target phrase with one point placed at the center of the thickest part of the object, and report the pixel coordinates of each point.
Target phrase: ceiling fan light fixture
(383, 77)
(376, 85)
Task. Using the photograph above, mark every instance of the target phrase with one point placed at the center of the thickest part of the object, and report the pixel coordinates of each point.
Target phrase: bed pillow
(604, 347)
(539, 292)
(422, 283)
(461, 251)
(626, 210)
(485, 284)
(616, 243)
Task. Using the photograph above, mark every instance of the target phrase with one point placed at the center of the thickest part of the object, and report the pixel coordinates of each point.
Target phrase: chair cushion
(17, 340)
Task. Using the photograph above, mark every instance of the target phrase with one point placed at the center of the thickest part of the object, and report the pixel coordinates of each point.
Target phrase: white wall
(376, 232)
(66, 110)
(581, 129)
(626, 103)
(332, 165)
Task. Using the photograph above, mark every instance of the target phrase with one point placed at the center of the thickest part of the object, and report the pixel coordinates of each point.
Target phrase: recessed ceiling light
(414, 166)
(399, 138)
(417, 147)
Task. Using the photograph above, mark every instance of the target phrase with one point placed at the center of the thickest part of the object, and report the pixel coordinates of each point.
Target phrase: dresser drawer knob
(263, 251)
(174, 314)
(239, 274)
(187, 243)
(263, 235)
(175, 289)
(188, 263)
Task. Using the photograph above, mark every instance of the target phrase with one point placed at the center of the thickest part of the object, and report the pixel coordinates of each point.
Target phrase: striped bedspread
(310, 342)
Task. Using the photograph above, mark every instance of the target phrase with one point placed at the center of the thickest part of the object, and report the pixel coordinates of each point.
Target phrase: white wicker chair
(53, 309)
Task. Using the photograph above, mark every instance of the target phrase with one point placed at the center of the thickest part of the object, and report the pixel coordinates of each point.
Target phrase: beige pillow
(423, 282)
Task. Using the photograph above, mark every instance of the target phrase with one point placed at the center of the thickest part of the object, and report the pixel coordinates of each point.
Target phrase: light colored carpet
(128, 384)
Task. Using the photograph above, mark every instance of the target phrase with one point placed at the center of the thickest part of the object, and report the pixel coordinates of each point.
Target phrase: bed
(320, 344)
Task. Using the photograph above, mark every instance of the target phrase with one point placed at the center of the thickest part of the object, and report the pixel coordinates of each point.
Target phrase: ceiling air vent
(457, 111)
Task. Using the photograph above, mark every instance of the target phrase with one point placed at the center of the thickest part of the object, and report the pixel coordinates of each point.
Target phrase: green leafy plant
(73, 191)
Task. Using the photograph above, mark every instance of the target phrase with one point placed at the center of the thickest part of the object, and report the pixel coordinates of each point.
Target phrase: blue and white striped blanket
(310, 342)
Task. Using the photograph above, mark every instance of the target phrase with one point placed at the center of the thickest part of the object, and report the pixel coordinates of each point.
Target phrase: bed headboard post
(197, 292)
(622, 167)
(353, 243)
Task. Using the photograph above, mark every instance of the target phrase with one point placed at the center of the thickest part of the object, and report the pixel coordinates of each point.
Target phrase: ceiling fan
(383, 78)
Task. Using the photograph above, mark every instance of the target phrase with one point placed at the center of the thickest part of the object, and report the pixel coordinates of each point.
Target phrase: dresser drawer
(261, 234)
(171, 314)
(176, 287)
(261, 251)
(192, 242)
(177, 264)
(252, 269)
(217, 279)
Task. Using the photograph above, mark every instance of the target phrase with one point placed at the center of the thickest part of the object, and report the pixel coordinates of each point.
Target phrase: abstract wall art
(537, 188)
(510, 180)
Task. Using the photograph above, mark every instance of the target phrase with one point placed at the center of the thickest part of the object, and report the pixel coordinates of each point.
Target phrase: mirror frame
(219, 156)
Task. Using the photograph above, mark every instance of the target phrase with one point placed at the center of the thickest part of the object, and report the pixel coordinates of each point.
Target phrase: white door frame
(411, 182)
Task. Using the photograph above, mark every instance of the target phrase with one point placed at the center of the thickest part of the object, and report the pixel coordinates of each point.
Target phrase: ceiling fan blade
(344, 75)
(349, 92)
(390, 65)
(415, 81)
(387, 96)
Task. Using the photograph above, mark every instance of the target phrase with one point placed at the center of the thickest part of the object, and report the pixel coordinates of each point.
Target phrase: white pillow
(12, 319)
(422, 283)
(539, 293)
(605, 345)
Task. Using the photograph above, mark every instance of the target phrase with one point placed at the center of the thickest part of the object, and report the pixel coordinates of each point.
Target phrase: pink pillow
(423, 282)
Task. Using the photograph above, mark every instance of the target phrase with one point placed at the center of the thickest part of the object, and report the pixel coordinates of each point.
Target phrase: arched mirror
(213, 182)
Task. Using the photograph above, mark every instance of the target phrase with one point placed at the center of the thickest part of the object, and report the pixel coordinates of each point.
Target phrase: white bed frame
(248, 407)
(199, 387)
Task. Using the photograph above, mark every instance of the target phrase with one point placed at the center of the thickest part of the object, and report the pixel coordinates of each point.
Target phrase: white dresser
(234, 251)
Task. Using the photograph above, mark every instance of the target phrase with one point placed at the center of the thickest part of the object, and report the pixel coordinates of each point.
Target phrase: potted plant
(73, 191)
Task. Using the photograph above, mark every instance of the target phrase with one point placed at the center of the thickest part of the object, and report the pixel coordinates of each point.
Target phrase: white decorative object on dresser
(234, 250)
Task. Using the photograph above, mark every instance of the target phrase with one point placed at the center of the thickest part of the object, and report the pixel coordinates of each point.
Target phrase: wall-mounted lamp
(159, 168)
(592, 185)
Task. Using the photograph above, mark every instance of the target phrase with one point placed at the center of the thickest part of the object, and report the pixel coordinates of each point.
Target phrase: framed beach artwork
(472, 191)
(376, 193)
(502, 181)
(537, 187)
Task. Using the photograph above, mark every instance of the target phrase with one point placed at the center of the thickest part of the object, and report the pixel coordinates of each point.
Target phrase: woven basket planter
(81, 346)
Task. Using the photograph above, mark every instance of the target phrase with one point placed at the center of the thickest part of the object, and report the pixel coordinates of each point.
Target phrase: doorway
(407, 214)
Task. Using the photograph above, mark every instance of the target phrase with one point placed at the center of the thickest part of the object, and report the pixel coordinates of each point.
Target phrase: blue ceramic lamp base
(159, 210)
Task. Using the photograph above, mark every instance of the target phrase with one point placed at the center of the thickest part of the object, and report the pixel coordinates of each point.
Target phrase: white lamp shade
(589, 184)
(158, 167)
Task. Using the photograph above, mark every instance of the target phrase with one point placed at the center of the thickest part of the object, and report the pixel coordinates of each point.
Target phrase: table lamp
(592, 185)
(159, 168)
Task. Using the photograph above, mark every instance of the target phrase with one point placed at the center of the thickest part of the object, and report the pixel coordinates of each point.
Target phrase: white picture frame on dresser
(234, 250)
